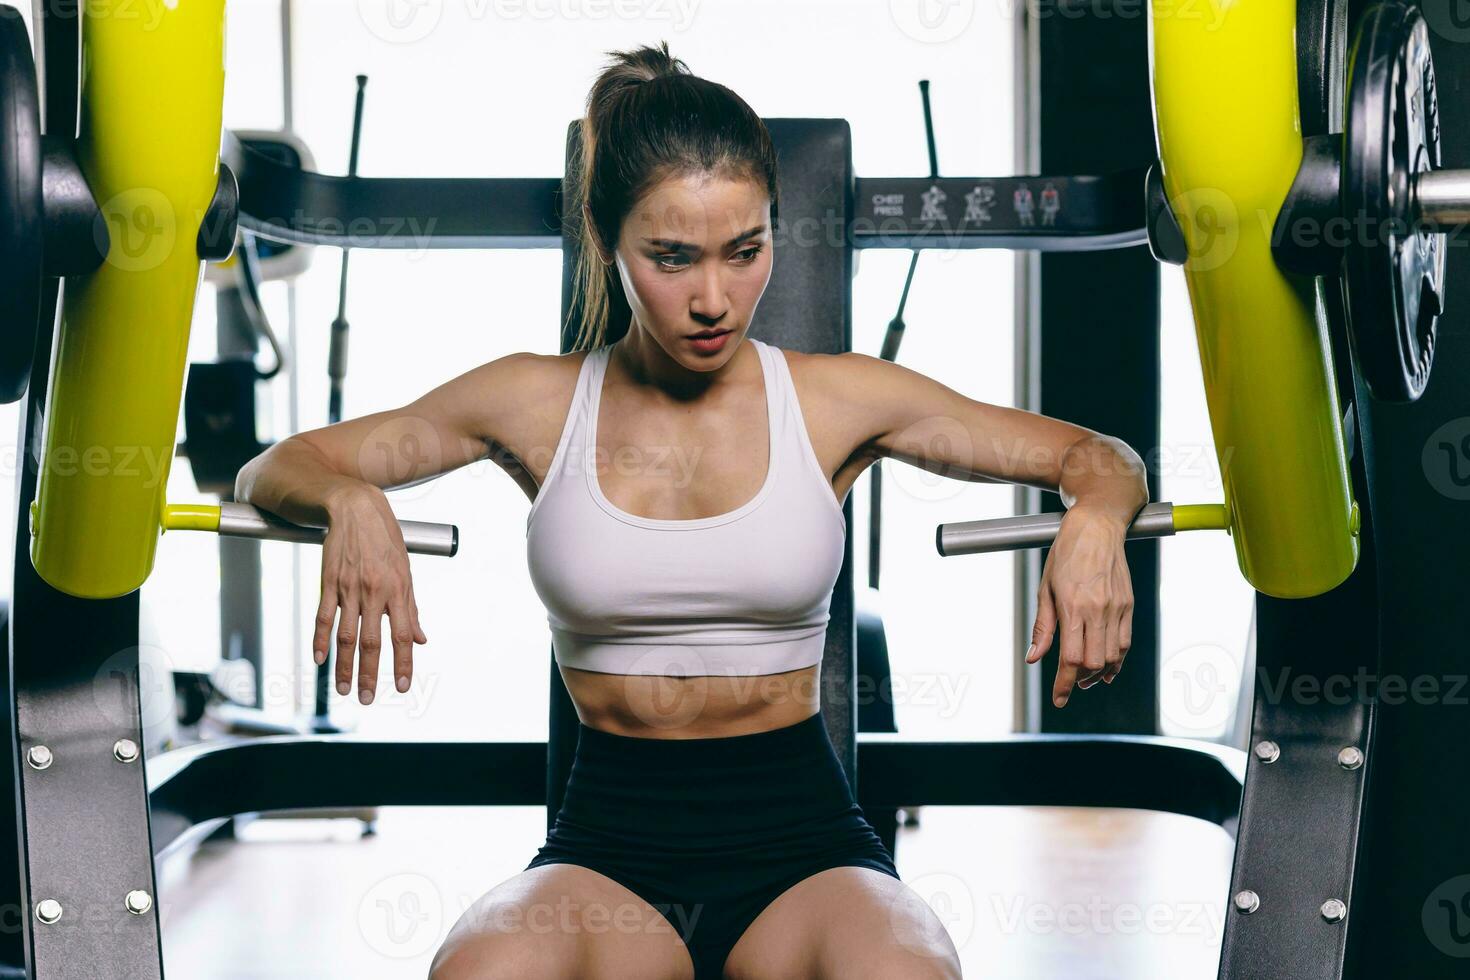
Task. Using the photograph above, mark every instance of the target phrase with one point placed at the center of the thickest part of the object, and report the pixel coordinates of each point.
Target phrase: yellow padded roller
(1230, 142)
(151, 105)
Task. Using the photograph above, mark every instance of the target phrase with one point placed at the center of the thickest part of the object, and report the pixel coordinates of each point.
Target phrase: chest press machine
(113, 196)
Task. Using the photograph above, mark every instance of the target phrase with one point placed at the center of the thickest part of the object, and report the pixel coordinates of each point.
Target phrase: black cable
(929, 128)
(337, 353)
(891, 341)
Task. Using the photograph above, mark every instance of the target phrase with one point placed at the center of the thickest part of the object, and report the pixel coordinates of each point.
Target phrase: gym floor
(1026, 893)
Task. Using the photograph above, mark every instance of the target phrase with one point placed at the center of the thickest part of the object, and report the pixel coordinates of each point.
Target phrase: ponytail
(648, 118)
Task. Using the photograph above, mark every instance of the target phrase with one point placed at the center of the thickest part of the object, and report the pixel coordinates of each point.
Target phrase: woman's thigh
(850, 923)
(559, 922)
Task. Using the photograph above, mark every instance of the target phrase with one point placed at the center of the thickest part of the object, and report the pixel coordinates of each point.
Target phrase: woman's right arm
(336, 477)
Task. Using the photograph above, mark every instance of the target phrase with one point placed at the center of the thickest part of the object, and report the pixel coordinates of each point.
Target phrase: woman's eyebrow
(673, 244)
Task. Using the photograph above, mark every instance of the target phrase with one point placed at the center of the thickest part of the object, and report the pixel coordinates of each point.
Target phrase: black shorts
(710, 831)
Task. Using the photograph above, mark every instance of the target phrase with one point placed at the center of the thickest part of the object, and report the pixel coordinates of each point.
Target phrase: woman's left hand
(1086, 583)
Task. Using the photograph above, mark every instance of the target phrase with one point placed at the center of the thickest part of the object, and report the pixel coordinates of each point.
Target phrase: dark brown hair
(649, 118)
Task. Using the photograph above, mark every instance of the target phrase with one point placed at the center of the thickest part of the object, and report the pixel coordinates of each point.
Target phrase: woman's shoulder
(551, 370)
(535, 389)
(571, 361)
(821, 371)
(532, 395)
(550, 381)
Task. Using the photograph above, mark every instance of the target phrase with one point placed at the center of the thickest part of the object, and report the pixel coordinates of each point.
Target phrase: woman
(685, 535)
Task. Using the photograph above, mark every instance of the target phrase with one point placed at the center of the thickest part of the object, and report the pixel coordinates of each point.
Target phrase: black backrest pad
(807, 307)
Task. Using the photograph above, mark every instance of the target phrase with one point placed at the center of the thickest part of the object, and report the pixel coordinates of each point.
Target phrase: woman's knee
(560, 921)
(502, 957)
(492, 941)
(897, 967)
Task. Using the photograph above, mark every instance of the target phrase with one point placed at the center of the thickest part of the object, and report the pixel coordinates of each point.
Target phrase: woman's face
(695, 256)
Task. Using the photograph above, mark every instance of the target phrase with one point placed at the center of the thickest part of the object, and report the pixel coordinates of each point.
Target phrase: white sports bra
(737, 594)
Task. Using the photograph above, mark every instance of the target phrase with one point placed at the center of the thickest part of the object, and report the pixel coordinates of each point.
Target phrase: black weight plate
(22, 207)
(1393, 266)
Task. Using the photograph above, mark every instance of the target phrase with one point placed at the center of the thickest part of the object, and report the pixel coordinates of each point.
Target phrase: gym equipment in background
(52, 224)
(1220, 87)
(72, 734)
(245, 521)
(876, 710)
(113, 405)
(219, 396)
(1039, 530)
(220, 414)
(1368, 202)
(1372, 204)
(1335, 785)
(166, 206)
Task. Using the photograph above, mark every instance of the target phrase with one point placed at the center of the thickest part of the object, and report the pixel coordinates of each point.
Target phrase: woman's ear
(603, 255)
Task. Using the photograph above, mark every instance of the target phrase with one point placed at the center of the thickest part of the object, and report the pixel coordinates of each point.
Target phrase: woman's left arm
(1086, 592)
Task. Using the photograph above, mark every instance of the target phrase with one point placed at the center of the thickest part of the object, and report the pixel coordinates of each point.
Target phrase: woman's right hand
(365, 573)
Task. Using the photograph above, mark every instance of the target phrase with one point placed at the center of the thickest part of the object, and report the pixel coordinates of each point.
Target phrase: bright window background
(1206, 603)
(481, 94)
